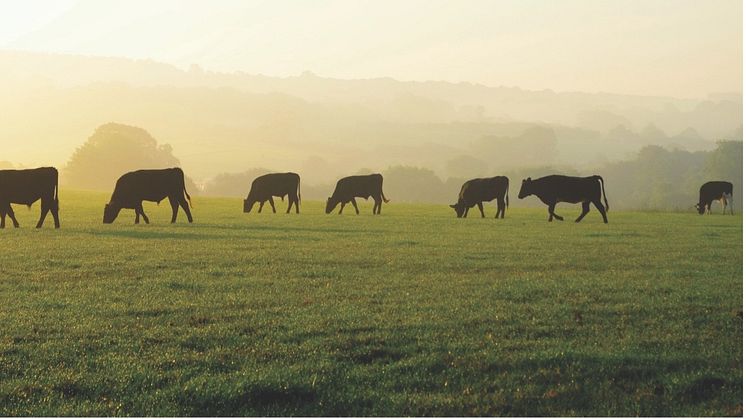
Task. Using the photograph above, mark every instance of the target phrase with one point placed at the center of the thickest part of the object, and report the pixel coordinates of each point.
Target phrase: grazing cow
(26, 187)
(265, 187)
(715, 190)
(557, 188)
(351, 187)
(476, 191)
(148, 185)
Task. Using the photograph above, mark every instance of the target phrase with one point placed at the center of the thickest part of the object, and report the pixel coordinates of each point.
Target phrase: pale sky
(679, 48)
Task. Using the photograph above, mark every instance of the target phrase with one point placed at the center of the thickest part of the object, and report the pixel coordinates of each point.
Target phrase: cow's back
(362, 186)
(148, 185)
(570, 189)
(25, 186)
(714, 189)
(483, 189)
(274, 184)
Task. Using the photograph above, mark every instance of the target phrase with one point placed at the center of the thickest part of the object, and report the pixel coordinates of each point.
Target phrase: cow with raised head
(557, 188)
(715, 190)
(148, 185)
(476, 191)
(266, 186)
(26, 187)
(351, 187)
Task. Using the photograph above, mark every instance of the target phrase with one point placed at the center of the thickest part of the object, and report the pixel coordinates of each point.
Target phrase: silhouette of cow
(266, 186)
(476, 191)
(26, 187)
(148, 185)
(351, 187)
(557, 188)
(715, 190)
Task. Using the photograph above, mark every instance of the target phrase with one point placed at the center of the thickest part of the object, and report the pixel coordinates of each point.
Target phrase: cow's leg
(466, 211)
(481, 208)
(272, 204)
(297, 204)
(290, 203)
(137, 216)
(586, 208)
(12, 216)
(139, 210)
(500, 208)
(342, 206)
(44, 211)
(261, 205)
(185, 206)
(554, 214)
(602, 210)
(377, 206)
(2, 218)
(56, 213)
(174, 208)
(723, 203)
(354, 204)
(730, 198)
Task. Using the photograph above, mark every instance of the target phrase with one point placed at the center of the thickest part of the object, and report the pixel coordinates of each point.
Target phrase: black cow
(557, 188)
(710, 191)
(148, 185)
(26, 187)
(266, 186)
(476, 191)
(351, 187)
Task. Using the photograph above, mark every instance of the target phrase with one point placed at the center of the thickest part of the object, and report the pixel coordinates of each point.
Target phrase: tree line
(656, 178)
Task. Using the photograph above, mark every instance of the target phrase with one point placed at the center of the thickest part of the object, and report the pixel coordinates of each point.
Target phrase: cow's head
(526, 189)
(110, 213)
(459, 207)
(248, 204)
(330, 204)
(700, 208)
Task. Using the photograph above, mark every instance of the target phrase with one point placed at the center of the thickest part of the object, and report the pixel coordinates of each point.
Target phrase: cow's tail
(384, 197)
(299, 191)
(189, 198)
(507, 192)
(603, 190)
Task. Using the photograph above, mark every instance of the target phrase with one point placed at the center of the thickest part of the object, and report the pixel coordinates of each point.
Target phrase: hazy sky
(674, 47)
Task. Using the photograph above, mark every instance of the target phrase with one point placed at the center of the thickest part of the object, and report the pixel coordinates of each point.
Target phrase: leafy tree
(413, 184)
(113, 150)
(466, 167)
(233, 184)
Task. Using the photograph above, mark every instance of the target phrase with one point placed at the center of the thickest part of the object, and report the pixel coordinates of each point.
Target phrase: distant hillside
(220, 122)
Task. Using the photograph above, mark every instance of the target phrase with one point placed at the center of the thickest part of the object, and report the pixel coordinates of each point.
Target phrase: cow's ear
(528, 179)
(452, 206)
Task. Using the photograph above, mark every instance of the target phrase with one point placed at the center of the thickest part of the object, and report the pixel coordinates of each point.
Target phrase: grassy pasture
(413, 312)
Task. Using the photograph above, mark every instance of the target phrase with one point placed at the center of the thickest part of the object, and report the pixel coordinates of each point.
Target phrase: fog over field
(204, 97)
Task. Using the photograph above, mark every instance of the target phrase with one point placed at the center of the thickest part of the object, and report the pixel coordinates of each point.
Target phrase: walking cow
(557, 188)
(148, 185)
(476, 191)
(715, 190)
(26, 187)
(352, 187)
(266, 186)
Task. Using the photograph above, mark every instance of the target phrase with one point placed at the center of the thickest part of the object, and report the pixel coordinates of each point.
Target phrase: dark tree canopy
(113, 150)
(233, 184)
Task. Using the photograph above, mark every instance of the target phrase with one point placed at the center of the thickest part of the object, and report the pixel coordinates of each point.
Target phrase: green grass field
(413, 312)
